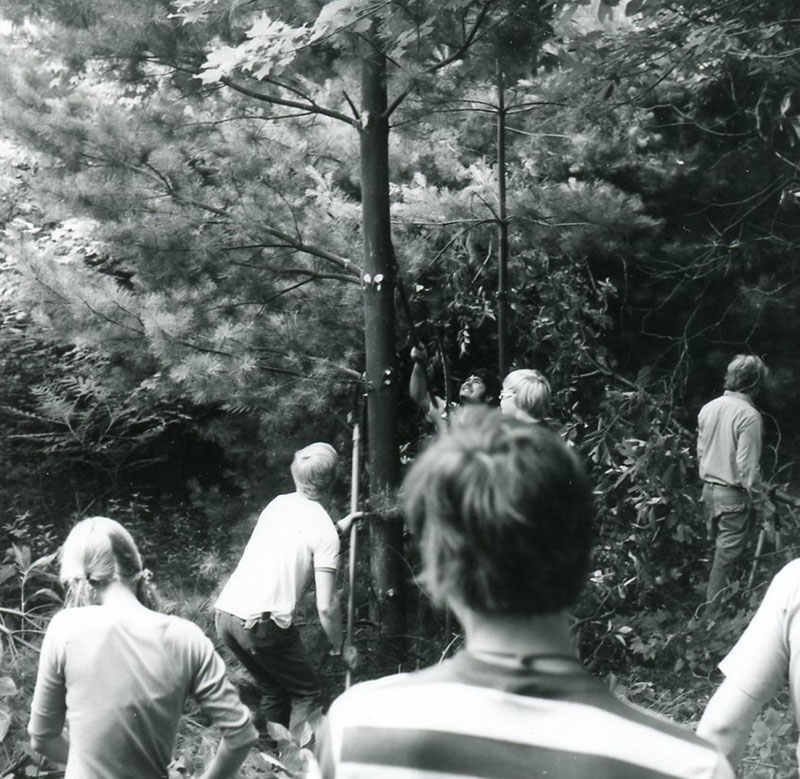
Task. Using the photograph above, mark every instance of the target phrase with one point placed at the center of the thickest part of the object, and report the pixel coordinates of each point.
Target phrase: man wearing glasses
(526, 396)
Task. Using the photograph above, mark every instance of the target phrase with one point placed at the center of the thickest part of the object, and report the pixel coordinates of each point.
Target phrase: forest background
(225, 223)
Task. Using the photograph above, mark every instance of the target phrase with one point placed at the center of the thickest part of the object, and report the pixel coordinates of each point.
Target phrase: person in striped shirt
(503, 513)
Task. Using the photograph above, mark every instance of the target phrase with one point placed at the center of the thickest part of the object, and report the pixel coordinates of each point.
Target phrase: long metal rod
(351, 583)
(502, 228)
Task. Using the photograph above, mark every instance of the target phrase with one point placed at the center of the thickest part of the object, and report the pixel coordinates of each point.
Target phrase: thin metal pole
(351, 584)
(502, 228)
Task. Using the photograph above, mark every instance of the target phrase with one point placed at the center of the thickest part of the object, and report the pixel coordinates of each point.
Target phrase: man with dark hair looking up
(503, 513)
(475, 391)
(729, 439)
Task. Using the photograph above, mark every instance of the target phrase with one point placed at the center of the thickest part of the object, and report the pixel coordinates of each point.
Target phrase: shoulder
(77, 620)
(183, 631)
(62, 625)
(437, 410)
(438, 403)
(297, 504)
(713, 404)
(186, 640)
(787, 580)
(278, 503)
(78, 626)
(314, 514)
(653, 742)
(292, 508)
(742, 403)
(362, 698)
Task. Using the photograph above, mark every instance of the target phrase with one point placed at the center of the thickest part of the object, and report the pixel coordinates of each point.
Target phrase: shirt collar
(739, 395)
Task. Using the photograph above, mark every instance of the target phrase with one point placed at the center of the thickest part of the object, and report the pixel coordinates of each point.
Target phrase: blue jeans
(729, 516)
(277, 660)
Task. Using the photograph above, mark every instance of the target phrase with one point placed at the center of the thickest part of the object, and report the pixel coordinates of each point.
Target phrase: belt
(264, 616)
(251, 622)
(725, 487)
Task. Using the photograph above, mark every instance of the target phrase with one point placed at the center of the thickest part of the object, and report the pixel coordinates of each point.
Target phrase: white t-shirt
(292, 536)
(768, 653)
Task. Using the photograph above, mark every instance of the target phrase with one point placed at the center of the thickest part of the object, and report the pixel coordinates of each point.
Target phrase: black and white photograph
(399, 389)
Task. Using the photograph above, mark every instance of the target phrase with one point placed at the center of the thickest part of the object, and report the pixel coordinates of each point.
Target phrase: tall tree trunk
(386, 532)
(502, 228)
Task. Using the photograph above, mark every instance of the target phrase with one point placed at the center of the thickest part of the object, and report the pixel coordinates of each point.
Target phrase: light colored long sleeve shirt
(729, 440)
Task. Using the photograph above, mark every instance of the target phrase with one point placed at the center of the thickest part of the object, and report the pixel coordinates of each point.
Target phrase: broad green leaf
(219, 63)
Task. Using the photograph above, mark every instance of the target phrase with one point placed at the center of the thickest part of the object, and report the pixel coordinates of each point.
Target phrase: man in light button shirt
(729, 439)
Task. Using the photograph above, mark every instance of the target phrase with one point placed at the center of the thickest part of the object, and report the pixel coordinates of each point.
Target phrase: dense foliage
(182, 288)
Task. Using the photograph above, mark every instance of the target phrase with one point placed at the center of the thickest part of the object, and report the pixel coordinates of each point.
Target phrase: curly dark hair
(490, 382)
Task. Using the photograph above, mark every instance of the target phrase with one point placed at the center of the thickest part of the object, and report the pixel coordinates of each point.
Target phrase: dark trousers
(729, 516)
(277, 660)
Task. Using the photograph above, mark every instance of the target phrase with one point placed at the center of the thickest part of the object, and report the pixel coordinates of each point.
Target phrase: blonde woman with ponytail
(119, 672)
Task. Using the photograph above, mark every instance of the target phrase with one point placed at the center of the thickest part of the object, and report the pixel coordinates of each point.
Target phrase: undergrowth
(662, 658)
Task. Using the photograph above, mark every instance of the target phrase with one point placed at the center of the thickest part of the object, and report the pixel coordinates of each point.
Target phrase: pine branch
(313, 275)
(343, 368)
(297, 244)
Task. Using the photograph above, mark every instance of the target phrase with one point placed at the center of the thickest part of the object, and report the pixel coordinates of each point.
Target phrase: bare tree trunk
(386, 532)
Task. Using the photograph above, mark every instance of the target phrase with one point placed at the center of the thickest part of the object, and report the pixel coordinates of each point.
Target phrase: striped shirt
(469, 719)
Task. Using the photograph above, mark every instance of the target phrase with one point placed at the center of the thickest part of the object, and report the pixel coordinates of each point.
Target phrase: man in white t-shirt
(763, 660)
(293, 537)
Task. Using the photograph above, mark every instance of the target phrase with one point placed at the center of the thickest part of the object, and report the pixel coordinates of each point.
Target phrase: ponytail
(97, 551)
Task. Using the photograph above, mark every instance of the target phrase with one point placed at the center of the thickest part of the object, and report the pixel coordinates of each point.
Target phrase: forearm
(344, 524)
(331, 620)
(727, 721)
(55, 749)
(226, 761)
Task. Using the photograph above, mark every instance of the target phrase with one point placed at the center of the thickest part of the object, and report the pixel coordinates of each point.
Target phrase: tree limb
(310, 106)
(456, 55)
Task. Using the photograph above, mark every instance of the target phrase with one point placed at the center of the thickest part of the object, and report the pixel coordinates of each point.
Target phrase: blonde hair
(531, 391)
(745, 373)
(314, 469)
(97, 551)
